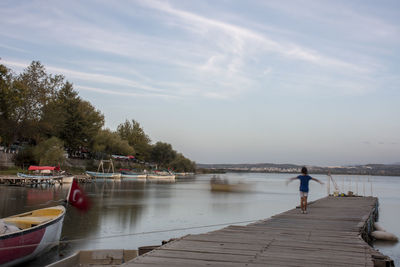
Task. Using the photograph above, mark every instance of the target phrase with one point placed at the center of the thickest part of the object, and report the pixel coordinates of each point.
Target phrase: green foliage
(33, 88)
(182, 164)
(71, 119)
(25, 157)
(136, 137)
(162, 154)
(50, 152)
(111, 143)
(8, 105)
(37, 108)
(36, 105)
(10, 170)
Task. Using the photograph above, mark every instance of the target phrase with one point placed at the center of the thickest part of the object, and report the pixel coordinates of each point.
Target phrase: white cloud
(240, 36)
(100, 79)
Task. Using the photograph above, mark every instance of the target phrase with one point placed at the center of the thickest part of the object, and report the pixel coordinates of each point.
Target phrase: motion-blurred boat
(222, 185)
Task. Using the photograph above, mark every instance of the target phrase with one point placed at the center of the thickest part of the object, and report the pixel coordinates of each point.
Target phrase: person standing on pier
(304, 180)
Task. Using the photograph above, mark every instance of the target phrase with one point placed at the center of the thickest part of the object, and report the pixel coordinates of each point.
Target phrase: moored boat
(111, 175)
(67, 179)
(161, 176)
(133, 175)
(102, 174)
(39, 177)
(27, 235)
(184, 174)
(40, 172)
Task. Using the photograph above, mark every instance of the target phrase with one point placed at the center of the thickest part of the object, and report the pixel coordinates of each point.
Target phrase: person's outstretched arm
(290, 180)
(315, 179)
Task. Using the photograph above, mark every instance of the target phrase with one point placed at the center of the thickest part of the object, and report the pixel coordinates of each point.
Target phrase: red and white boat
(32, 233)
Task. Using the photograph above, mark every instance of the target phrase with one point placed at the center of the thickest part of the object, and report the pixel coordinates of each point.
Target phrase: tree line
(46, 118)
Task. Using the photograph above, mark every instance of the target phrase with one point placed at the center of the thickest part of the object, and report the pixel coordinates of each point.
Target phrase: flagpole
(69, 192)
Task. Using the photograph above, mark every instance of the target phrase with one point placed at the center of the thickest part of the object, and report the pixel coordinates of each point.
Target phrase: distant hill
(368, 169)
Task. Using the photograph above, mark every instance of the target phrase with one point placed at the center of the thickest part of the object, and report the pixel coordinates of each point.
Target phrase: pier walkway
(331, 234)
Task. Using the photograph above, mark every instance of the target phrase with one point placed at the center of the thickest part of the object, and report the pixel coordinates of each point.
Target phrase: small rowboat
(33, 233)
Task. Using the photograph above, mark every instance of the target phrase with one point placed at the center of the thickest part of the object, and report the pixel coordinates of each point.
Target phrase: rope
(129, 234)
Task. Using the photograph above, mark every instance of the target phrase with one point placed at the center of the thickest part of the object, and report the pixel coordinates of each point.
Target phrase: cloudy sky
(306, 82)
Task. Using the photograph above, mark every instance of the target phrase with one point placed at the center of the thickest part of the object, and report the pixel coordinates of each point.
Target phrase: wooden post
(328, 185)
(357, 185)
(364, 186)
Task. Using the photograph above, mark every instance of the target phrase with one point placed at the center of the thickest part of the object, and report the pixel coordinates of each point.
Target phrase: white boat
(183, 174)
(105, 257)
(111, 175)
(102, 174)
(67, 179)
(161, 177)
(39, 177)
(140, 176)
(27, 235)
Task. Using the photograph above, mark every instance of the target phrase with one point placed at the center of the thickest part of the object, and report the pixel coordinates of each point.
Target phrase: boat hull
(39, 177)
(139, 177)
(29, 243)
(161, 177)
(67, 179)
(104, 175)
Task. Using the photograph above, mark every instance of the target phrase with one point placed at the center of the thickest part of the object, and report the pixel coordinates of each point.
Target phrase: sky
(304, 82)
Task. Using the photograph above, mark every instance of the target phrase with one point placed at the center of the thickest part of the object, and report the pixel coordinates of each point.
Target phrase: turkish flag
(77, 197)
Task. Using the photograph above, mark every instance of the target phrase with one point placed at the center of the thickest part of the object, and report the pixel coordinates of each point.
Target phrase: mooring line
(129, 234)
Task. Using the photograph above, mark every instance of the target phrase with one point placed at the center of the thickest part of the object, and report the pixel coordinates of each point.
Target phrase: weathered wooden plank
(220, 245)
(221, 257)
(160, 261)
(329, 235)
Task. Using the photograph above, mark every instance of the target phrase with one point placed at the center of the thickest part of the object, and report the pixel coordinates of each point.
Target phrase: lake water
(129, 214)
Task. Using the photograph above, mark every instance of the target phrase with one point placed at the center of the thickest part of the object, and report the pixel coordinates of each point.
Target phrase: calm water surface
(124, 214)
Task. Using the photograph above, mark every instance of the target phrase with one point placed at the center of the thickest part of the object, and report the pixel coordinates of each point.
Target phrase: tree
(57, 111)
(25, 157)
(136, 137)
(8, 104)
(182, 164)
(25, 96)
(162, 154)
(50, 152)
(111, 143)
(72, 119)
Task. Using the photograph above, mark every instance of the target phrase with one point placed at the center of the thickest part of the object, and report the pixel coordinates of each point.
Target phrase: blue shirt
(304, 179)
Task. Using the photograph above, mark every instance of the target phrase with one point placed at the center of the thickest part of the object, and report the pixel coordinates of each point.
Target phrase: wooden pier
(333, 233)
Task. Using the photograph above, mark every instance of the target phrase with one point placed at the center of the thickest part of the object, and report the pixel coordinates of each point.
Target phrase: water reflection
(124, 212)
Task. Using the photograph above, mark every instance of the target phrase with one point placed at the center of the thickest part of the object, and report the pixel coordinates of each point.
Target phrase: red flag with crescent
(77, 197)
